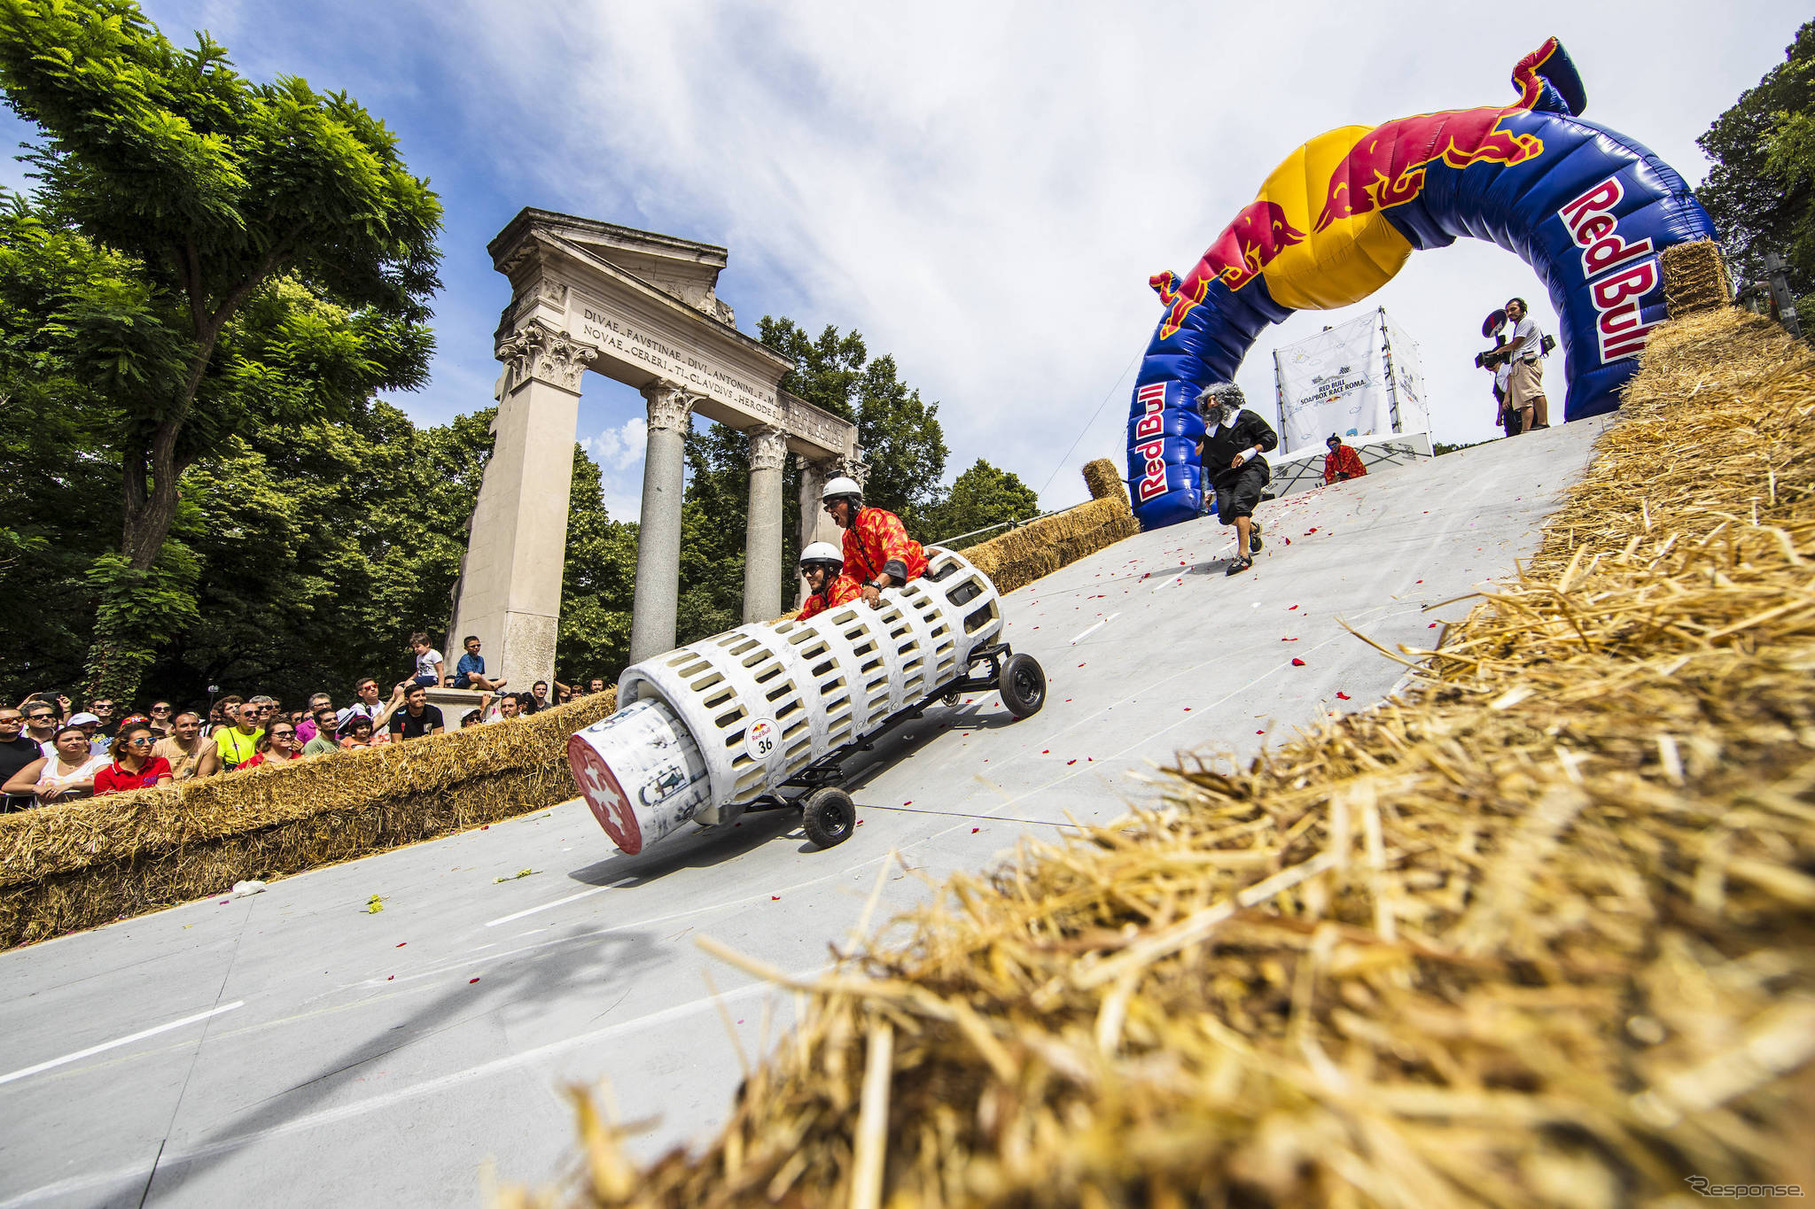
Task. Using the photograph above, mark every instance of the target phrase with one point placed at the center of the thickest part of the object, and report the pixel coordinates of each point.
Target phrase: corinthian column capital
(669, 405)
(768, 448)
(855, 468)
(536, 351)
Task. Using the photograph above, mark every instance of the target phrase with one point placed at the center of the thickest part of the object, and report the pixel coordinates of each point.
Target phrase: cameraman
(1525, 384)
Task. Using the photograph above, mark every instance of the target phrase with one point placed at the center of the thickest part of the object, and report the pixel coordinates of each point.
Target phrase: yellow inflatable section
(1346, 261)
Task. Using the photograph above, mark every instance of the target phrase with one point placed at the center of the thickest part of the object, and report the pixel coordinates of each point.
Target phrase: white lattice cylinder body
(763, 701)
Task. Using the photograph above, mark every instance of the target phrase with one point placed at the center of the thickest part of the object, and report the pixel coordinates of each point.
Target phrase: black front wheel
(829, 816)
(1022, 686)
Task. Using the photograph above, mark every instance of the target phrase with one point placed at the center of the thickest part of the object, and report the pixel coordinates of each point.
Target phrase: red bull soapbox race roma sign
(1589, 209)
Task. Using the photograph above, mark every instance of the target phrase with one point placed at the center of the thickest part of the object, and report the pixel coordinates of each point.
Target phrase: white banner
(1350, 381)
(1408, 378)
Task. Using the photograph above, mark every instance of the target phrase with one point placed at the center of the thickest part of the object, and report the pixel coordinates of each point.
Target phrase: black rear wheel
(1022, 686)
(829, 816)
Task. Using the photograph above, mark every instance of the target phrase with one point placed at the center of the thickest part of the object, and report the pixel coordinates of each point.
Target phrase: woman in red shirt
(133, 767)
(279, 746)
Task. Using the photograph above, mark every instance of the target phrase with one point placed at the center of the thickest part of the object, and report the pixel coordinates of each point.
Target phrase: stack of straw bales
(1020, 556)
(1540, 934)
(1105, 481)
(94, 861)
(1695, 278)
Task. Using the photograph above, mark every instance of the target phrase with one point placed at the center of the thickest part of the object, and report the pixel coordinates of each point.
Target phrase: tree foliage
(1761, 190)
(980, 497)
(217, 252)
(899, 434)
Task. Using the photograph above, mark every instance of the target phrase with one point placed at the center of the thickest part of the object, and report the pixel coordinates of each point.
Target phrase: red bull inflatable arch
(1589, 209)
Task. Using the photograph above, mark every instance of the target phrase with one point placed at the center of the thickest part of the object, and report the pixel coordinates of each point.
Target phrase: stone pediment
(681, 268)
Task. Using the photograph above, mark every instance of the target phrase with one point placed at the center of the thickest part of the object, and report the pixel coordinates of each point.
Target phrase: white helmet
(823, 552)
(841, 486)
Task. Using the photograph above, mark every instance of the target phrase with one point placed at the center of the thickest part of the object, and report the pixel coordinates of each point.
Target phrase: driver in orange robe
(878, 553)
(827, 585)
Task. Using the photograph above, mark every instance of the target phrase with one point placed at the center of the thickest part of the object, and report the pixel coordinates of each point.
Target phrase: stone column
(762, 529)
(509, 593)
(658, 586)
(815, 525)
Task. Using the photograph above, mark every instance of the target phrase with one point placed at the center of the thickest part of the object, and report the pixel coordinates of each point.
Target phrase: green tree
(1761, 190)
(266, 254)
(982, 496)
(598, 584)
(899, 433)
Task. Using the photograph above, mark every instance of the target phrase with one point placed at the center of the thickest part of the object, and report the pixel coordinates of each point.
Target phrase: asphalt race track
(290, 1047)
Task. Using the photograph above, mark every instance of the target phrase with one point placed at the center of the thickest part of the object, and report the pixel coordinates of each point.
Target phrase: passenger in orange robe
(827, 585)
(1342, 462)
(878, 553)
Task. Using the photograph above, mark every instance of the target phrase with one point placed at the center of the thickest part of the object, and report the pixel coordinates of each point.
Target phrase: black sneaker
(1238, 565)
(1253, 538)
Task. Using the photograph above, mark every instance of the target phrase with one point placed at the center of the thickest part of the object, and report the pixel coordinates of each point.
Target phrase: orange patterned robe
(842, 590)
(878, 542)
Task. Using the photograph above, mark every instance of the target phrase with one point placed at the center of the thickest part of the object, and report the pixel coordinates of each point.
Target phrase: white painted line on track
(107, 1045)
(1093, 629)
(571, 898)
(347, 1112)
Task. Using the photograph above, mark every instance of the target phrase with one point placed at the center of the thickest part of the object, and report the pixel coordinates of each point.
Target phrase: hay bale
(1105, 481)
(1020, 556)
(1541, 933)
(100, 859)
(1695, 278)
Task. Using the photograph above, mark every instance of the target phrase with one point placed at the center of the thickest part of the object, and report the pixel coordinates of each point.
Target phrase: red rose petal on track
(1298, 663)
(471, 981)
(1342, 696)
(975, 830)
(1421, 581)
(401, 943)
(392, 978)
(1431, 626)
(1295, 606)
(1070, 762)
(485, 826)
(775, 898)
(1288, 541)
(1260, 732)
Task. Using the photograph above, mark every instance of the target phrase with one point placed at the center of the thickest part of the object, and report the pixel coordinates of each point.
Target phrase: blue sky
(981, 189)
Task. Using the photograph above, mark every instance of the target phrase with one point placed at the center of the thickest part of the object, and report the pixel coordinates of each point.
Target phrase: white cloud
(983, 191)
(618, 449)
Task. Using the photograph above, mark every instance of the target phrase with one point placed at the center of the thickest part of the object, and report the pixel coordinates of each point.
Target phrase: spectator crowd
(50, 752)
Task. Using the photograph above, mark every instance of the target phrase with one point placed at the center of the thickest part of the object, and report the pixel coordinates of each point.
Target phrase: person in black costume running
(1231, 453)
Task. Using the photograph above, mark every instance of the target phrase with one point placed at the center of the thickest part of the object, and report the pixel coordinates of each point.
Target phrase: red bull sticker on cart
(760, 738)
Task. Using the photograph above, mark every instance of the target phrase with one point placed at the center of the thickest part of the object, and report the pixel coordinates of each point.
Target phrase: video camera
(1491, 327)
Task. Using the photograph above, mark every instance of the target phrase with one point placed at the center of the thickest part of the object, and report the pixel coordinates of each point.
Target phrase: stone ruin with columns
(640, 308)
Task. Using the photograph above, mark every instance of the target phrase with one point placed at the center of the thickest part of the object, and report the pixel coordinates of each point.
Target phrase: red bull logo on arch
(1588, 208)
(1387, 166)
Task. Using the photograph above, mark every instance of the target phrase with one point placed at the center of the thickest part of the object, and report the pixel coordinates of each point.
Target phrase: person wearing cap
(822, 566)
(1234, 440)
(1342, 463)
(878, 553)
(89, 724)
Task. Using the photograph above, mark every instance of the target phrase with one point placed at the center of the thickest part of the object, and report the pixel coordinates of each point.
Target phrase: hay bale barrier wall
(1540, 933)
(63, 868)
(91, 862)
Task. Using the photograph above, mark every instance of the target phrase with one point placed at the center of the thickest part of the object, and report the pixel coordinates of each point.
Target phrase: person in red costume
(827, 584)
(1342, 462)
(878, 553)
